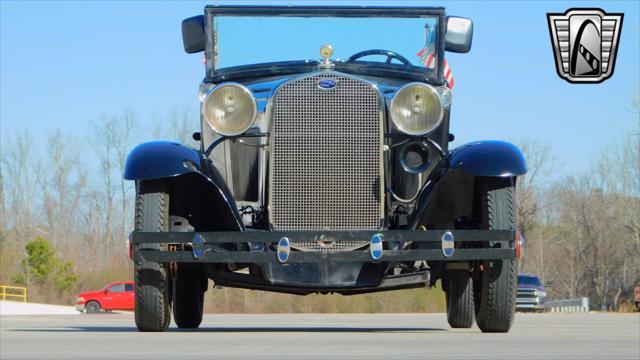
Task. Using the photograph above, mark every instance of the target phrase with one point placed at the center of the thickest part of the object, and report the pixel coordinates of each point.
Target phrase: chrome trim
(283, 250)
(326, 64)
(381, 167)
(323, 244)
(448, 244)
(375, 246)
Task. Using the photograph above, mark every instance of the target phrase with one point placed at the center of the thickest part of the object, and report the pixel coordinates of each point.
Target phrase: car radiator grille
(326, 158)
(526, 296)
(526, 293)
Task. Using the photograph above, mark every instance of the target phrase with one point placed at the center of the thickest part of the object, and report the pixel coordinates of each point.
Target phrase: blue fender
(449, 190)
(488, 158)
(160, 159)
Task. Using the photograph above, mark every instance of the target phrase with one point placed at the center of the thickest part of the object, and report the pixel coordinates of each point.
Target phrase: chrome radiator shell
(326, 157)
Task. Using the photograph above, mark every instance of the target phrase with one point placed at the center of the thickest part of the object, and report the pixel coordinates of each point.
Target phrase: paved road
(383, 336)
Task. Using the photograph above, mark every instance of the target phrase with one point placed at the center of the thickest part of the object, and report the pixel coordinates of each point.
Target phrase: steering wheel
(389, 54)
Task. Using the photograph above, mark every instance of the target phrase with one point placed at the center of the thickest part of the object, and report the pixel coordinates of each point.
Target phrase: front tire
(92, 307)
(152, 303)
(459, 297)
(497, 282)
(188, 297)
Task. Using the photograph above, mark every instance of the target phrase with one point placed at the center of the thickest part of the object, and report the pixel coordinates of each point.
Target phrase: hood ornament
(326, 51)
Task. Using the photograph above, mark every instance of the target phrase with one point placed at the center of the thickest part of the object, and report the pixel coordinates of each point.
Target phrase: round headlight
(230, 109)
(416, 109)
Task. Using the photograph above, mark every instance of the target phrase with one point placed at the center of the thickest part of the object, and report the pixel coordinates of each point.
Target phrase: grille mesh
(326, 158)
(347, 245)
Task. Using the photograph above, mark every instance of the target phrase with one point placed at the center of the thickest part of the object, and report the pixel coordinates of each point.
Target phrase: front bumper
(529, 306)
(205, 247)
(80, 307)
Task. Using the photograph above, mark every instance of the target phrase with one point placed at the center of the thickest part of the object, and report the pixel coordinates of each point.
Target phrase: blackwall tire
(152, 300)
(92, 307)
(188, 298)
(459, 300)
(495, 286)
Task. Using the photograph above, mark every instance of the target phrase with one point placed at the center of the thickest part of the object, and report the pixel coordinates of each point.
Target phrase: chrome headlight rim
(245, 90)
(432, 90)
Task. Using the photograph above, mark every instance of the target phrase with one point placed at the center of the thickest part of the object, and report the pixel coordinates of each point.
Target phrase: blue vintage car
(325, 174)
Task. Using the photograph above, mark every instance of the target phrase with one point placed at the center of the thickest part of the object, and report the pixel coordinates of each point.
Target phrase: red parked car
(115, 296)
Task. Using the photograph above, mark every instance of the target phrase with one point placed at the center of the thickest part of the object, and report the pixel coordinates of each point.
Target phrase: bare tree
(540, 164)
(113, 138)
(63, 188)
(21, 171)
(179, 126)
(3, 211)
(103, 143)
(125, 127)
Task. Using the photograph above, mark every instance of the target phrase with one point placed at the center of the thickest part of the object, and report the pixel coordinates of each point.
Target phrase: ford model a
(325, 176)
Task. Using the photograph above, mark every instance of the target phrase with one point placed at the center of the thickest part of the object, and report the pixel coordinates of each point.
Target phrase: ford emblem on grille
(327, 84)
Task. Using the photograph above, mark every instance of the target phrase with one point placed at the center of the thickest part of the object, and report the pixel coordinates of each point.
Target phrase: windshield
(253, 40)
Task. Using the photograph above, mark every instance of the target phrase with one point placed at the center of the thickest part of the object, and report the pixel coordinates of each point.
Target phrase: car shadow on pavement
(239, 329)
(311, 329)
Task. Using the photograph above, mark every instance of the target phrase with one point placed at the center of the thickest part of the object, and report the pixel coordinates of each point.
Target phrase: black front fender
(205, 200)
(198, 192)
(488, 158)
(160, 159)
(449, 192)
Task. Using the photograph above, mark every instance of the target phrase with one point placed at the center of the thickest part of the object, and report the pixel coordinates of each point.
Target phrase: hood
(264, 87)
(90, 294)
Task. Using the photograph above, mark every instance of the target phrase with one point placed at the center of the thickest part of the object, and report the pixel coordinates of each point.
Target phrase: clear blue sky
(64, 63)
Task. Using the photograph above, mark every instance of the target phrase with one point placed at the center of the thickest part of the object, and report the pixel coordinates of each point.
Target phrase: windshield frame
(211, 11)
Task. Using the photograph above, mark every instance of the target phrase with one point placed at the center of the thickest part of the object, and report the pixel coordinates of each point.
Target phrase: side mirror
(106, 291)
(459, 35)
(193, 36)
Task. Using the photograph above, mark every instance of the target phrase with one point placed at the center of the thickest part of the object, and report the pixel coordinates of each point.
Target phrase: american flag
(428, 59)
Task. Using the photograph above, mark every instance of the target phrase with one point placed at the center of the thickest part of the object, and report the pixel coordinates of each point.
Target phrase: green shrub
(40, 261)
(64, 278)
(41, 266)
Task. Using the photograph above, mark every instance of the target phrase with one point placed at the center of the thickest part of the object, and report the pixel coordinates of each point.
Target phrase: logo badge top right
(585, 44)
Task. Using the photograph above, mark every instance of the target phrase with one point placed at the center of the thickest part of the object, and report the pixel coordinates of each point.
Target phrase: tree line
(68, 195)
(66, 211)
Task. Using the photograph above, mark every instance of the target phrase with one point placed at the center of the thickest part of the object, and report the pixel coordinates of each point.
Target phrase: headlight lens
(445, 95)
(79, 299)
(416, 109)
(230, 109)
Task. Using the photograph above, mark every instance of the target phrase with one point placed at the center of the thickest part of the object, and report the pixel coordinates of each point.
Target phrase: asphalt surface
(379, 336)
